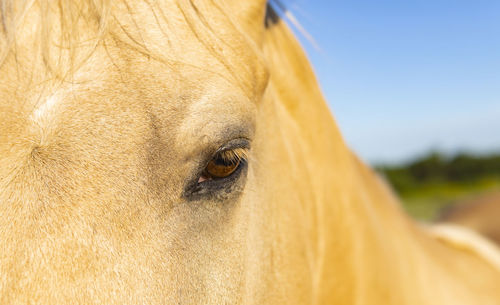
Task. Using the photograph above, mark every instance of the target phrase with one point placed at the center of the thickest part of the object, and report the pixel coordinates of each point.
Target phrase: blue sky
(406, 77)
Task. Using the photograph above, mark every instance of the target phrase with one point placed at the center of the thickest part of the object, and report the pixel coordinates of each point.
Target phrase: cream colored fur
(468, 240)
(106, 111)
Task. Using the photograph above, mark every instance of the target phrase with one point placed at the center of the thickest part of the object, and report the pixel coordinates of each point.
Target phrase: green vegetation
(428, 184)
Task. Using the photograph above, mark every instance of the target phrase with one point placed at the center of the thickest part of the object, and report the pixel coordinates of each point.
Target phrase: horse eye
(223, 164)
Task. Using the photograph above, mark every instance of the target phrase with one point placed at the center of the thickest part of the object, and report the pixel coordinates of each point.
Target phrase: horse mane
(467, 240)
(12, 13)
(95, 14)
(67, 32)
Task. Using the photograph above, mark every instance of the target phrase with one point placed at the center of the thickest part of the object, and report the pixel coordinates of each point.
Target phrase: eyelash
(235, 152)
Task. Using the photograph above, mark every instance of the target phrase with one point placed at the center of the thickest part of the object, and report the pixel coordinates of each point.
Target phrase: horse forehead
(197, 37)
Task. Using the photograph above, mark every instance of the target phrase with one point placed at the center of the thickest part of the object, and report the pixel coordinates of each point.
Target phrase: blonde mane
(67, 32)
(467, 240)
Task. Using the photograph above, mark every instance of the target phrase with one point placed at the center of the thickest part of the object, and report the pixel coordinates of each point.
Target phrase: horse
(479, 213)
(181, 152)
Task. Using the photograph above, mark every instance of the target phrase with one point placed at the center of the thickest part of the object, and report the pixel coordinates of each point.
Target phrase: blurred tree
(436, 167)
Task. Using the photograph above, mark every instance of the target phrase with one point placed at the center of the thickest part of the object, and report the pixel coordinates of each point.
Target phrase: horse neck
(357, 243)
(338, 225)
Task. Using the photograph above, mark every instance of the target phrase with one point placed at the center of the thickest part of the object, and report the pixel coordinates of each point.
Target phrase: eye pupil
(219, 161)
(220, 168)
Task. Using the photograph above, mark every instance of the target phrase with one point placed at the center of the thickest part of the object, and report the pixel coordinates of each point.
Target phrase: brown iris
(223, 164)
